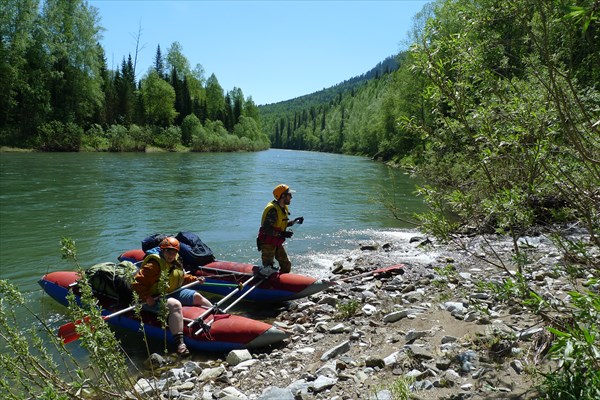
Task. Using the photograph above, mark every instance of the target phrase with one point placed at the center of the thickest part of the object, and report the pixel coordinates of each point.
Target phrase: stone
(517, 365)
(146, 387)
(275, 393)
(449, 339)
(398, 315)
(528, 333)
(236, 357)
(382, 395)
(211, 374)
(413, 335)
(339, 328)
(233, 393)
(369, 309)
(155, 360)
(323, 383)
(327, 370)
(374, 361)
(419, 352)
(336, 351)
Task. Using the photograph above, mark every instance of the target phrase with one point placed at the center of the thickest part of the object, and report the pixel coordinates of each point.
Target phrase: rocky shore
(430, 330)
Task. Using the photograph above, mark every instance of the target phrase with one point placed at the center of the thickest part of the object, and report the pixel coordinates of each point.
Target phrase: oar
(208, 325)
(223, 300)
(376, 271)
(221, 284)
(68, 332)
(225, 271)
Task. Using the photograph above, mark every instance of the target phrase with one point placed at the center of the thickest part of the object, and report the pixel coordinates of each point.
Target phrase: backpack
(153, 241)
(112, 280)
(193, 251)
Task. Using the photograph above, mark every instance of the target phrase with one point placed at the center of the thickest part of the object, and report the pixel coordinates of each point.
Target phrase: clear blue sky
(272, 50)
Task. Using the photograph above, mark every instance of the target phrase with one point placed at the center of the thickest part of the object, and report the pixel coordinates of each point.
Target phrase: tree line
(57, 93)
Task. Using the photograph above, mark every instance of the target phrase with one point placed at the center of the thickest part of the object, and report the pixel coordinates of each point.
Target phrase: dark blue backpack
(193, 251)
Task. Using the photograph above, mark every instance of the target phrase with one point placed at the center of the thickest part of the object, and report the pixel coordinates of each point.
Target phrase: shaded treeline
(57, 93)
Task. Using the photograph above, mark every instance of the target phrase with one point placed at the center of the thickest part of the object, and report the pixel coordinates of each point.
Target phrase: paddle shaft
(230, 306)
(224, 299)
(224, 271)
(244, 295)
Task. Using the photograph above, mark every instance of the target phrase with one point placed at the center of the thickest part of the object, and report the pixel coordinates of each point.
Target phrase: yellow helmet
(280, 190)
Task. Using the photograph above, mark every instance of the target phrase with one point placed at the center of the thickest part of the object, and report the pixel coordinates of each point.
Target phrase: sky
(271, 50)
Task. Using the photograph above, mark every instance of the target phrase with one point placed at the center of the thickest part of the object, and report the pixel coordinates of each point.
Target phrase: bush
(58, 136)
(190, 125)
(168, 138)
(119, 139)
(577, 349)
(95, 139)
(140, 135)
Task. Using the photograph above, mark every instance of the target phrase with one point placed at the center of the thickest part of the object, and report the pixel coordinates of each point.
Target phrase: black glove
(299, 220)
(287, 234)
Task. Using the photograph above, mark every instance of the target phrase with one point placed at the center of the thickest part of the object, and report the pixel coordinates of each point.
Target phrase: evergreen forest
(57, 93)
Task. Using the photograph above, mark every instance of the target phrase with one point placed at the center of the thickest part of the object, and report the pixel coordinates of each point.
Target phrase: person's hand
(200, 279)
(299, 220)
(150, 301)
(287, 234)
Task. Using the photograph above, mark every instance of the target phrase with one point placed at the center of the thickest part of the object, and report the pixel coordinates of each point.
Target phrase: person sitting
(148, 284)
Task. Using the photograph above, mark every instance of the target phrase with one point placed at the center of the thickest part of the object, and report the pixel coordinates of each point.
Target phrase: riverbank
(434, 328)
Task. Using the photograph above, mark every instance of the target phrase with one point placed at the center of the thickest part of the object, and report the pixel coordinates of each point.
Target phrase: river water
(108, 202)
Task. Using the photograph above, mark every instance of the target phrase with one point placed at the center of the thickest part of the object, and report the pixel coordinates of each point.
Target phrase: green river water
(109, 202)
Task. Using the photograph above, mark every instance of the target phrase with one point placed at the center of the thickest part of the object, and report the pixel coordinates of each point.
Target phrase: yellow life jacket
(175, 273)
(279, 226)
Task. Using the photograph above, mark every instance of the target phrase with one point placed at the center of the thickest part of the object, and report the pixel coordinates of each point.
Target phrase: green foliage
(94, 139)
(167, 138)
(109, 371)
(511, 140)
(577, 349)
(159, 100)
(573, 322)
(52, 70)
(27, 367)
(348, 309)
(119, 139)
(58, 136)
(398, 389)
(190, 127)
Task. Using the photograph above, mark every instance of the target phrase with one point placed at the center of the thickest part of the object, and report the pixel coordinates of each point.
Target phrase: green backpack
(112, 280)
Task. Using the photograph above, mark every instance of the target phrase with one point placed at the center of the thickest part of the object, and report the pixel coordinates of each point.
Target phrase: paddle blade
(398, 268)
(68, 332)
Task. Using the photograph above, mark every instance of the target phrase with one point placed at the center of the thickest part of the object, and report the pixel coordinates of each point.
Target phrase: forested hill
(327, 94)
(283, 122)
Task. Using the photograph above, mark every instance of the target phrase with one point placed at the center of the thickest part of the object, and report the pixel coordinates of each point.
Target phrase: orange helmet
(169, 243)
(280, 190)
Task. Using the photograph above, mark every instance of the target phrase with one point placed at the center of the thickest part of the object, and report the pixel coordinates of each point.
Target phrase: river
(108, 202)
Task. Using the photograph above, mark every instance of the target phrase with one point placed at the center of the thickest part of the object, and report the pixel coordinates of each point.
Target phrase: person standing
(163, 273)
(273, 231)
